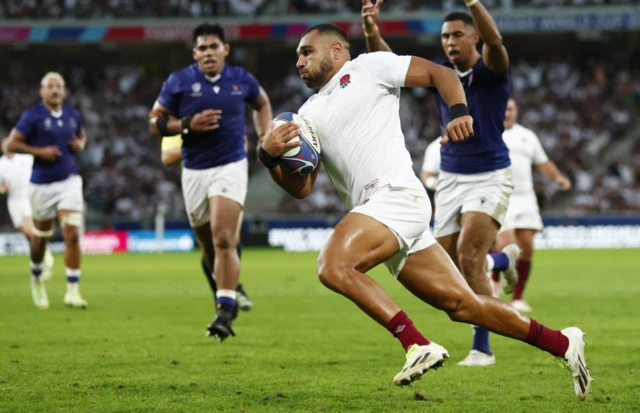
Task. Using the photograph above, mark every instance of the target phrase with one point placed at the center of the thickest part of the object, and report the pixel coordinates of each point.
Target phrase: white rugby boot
(420, 359)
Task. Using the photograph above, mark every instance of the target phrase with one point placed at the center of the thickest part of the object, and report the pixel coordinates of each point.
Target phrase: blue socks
(481, 340)
(500, 260)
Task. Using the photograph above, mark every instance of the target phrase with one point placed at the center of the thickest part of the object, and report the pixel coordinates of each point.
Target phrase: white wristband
(470, 2)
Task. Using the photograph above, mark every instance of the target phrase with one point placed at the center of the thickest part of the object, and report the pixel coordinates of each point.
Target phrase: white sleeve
(389, 69)
(432, 157)
(539, 155)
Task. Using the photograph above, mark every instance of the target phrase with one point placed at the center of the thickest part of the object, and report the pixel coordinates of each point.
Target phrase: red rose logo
(345, 81)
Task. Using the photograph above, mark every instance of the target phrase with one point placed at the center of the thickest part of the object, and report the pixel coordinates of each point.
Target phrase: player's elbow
(166, 159)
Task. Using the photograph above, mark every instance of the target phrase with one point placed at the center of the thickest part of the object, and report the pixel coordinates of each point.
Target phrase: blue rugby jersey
(487, 95)
(188, 92)
(41, 127)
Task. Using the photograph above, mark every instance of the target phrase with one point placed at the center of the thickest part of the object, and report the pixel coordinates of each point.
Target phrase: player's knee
(471, 262)
(332, 275)
(225, 239)
(462, 310)
(71, 234)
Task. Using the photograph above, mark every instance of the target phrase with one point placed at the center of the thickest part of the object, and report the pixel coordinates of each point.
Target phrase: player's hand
(4, 146)
(5, 188)
(206, 121)
(48, 153)
(564, 183)
(277, 141)
(77, 144)
(370, 13)
(458, 129)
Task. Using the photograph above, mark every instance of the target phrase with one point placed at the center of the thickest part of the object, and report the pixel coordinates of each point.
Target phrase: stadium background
(140, 345)
(575, 75)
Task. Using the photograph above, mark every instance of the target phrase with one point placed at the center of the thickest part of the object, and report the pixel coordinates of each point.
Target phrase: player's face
(210, 53)
(511, 116)
(314, 60)
(458, 41)
(52, 92)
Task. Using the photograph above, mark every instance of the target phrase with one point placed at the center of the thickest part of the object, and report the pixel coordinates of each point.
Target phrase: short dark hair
(207, 29)
(328, 28)
(457, 15)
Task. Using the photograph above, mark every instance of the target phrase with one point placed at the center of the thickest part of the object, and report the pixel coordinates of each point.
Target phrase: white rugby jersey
(431, 161)
(525, 150)
(16, 172)
(357, 119)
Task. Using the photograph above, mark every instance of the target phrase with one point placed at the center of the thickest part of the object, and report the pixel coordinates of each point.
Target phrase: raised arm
(551, 171)
(494, 53)
(423, 73)
(370, 13)
(276, 142)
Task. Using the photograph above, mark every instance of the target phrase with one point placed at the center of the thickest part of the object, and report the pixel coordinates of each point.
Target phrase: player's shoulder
(525, 132)
(185, 74)
(36, 110)
(237, 73)
(71, 110)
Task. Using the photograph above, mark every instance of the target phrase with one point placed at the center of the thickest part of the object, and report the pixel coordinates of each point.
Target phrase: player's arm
(551, 171)
(423, 73)
(262, 115)
(79, 141)
(276, 142)
(370, 13)
(162, 122)
(17, 143)
(171, 156)
(494, 53)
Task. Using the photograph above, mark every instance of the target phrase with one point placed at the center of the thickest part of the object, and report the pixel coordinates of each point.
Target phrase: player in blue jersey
(206, 103)
(475, 184)
(52, 132)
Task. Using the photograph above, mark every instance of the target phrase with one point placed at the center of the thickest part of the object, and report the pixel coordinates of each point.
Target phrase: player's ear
(337, 50)
(193, 53)
(227, 48)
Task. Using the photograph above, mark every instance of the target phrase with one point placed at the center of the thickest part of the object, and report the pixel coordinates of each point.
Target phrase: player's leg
(244, 302)
(525, 241)
(70, 215)
(431, 276)
(42, 231)
(204, 238)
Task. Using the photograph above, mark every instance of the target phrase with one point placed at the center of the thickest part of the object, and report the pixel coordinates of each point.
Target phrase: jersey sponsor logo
(195, 90)
(345, 81)
(236, 90)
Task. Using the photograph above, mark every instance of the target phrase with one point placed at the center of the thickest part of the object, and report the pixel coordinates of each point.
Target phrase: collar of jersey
(55, 114)
(328, 88)
(212, 79)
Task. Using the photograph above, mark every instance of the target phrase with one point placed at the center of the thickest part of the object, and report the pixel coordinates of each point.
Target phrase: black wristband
(458, 110)
(161, 124)
(266, 159)
(186, 125)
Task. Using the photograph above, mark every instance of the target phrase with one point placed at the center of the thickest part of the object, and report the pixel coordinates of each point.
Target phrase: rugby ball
(305, 158)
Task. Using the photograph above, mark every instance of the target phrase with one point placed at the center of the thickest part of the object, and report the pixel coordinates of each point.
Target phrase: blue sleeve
(490, 78)
(254, 88)
(26, 125)
(79, 124)
(169, 97)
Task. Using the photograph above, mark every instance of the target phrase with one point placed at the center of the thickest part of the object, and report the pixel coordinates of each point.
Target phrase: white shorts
(523, 213)
(48, 199)
(19, 209)
(199, 185)
(407, 213)
(487, 192)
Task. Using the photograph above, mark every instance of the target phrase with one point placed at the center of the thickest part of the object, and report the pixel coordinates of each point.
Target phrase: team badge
(345, 81)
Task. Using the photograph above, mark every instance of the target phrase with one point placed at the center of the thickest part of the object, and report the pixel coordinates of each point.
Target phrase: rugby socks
(209, 275)
(546, 339)
(499, 260)
(73, 279)
(227, 297)
(524, 268)
(36, 270)
(403, 329)
(481, 340)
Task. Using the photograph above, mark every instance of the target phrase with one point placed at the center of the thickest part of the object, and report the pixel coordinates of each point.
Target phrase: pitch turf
(141, 345)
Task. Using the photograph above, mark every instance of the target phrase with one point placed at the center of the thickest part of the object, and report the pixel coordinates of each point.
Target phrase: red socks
(546, 339)
(523, 267)
(403, 329)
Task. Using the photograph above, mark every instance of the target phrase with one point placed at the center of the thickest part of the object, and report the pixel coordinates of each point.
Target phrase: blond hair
(52, 75)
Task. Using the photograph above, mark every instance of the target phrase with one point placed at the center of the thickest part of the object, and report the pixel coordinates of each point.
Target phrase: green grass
(141, 345)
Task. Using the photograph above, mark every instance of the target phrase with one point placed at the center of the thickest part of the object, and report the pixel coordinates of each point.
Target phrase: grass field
(141, 345)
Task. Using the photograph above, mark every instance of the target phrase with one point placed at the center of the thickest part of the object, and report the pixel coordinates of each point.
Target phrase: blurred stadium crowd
(84, 9)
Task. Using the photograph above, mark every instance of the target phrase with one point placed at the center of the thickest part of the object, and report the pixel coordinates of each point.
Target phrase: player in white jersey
(523, 215)
(356, 116)
(15, 171)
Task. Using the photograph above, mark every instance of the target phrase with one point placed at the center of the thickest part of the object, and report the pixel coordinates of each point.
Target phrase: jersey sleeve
(170, 142)
(169, 93)
(26, 125)
(484, 76)
(79, 124)
(432, 158)
(539, 155)
(389, 69)
(253, 88)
